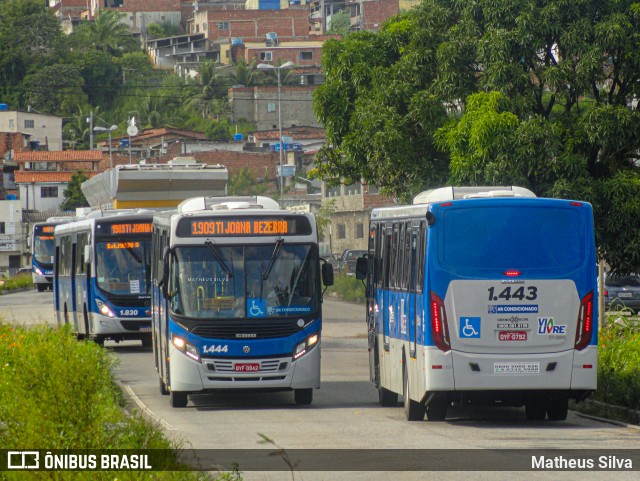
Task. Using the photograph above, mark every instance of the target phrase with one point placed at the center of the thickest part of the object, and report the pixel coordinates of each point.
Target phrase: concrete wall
(13, 240)
(46, 129)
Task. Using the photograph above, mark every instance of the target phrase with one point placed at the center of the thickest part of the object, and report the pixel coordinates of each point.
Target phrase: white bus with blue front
(236, 298)
(102, 275)
(42, 250)
(482, 294)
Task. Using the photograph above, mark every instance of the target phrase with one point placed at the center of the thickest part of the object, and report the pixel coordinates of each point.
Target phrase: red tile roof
(59, 156)
(31, 176)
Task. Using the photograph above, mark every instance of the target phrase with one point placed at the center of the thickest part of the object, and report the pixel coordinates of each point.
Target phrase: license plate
(246, 367)
(145, 329)
(512, 335)
(516, 367)
(625, 294)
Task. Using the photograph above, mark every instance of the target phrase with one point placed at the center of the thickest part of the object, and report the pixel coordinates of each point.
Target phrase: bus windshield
(123, 266)
(43, 250)
(264, 281)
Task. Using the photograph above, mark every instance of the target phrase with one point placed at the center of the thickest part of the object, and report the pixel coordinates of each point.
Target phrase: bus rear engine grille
(281, 329)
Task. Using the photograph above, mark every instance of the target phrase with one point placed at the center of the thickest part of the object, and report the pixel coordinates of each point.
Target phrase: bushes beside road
(347, 288)
(18, 282)
(58, 393)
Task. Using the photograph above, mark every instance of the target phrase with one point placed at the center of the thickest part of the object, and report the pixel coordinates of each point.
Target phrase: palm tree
(244, 73)
(210, 87)
(107, 33)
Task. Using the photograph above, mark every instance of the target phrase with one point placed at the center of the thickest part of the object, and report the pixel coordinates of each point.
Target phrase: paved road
(345, 413)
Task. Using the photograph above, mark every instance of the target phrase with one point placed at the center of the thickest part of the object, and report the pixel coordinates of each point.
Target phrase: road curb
(128, 393)
(11, 291)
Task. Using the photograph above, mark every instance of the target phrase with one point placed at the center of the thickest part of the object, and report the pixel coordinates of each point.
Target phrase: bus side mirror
(88, 254)
(162, 283)
(362, 266)
(327, 274)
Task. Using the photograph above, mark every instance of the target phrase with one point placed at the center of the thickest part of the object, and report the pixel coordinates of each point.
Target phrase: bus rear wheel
(557, 409)
(387, 398)
(535, 410)
(147, 341)
(178, 399)
(437, 409)
(413, 411)
(41, 287)
(303, 397)
(163, 388)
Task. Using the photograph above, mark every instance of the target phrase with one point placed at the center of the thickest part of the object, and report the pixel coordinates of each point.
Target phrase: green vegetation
(58, 393)
(73, 195)
(347, 288)
(619, 362)
(537, 94)
(18, 282)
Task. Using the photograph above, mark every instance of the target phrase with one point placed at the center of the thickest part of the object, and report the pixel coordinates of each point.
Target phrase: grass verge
(57, 393)
(18, 282)
(347, 288)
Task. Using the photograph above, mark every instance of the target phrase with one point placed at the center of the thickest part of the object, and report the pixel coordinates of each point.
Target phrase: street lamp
(110, 129)
(267, 66)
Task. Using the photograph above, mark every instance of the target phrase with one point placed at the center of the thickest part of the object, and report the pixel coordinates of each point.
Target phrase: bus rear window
(507, 237)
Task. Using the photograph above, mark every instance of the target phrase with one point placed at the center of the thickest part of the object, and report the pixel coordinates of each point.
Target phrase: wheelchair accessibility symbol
(256, 307)
(470, 327)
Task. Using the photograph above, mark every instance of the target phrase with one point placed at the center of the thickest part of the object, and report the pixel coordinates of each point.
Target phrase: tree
(479, 93)
(340, 23)
(106, 33)
(245, 183)
(56, 90)
(73, 196)
(211, 86)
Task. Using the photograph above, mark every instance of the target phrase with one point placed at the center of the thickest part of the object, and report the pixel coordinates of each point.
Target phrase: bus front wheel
(41, 287)
(303, 396)
(535, 410)
(178, 399)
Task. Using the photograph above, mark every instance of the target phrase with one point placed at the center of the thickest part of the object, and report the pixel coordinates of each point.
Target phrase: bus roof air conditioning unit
(444, 194)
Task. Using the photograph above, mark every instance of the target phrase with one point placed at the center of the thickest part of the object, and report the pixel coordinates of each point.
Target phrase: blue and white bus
(236, 298)
(42, 249)
(102, 275)
(482, 294)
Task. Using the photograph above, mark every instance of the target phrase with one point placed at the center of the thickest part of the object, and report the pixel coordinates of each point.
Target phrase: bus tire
(304, 397)
(413, 411)
(41, 287)
(535, 410)
(178, 399)
(387, 398)
(163, 388)
(146, 341)
(437, 409)
(557, 409)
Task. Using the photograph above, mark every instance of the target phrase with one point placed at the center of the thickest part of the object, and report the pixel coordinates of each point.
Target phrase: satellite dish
(132, 130)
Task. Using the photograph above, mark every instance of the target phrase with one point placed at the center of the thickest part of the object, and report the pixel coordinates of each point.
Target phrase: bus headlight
(38, 271)
(104, 309)
(183, 346)
(305, 345)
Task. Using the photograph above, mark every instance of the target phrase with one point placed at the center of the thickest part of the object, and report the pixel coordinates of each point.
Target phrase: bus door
(385, 301)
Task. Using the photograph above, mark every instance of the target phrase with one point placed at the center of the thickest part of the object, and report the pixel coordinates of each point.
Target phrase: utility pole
(90, 120)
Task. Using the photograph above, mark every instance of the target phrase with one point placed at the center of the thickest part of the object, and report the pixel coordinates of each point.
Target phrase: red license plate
(512, 335)
(246, 367)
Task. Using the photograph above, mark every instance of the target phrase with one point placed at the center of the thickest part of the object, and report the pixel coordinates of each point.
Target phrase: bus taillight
(439, 328)
(585, 322)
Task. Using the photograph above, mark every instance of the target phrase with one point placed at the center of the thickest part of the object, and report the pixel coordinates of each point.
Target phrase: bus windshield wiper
(276, 251)
(216, 255)
(127, 245)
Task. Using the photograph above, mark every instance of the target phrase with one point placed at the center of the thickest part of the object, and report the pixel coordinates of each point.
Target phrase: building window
(373, 189)
(271, 106)
(12, 124)
(359, 230)
(265, 56)
(223, 25)
(342, 231)
(29, 124)
(2, 228)
(48, 192)
(306, 55)
(44, 166)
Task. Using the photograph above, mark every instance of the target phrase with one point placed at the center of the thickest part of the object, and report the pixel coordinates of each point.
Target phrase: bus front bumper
(283, 372)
